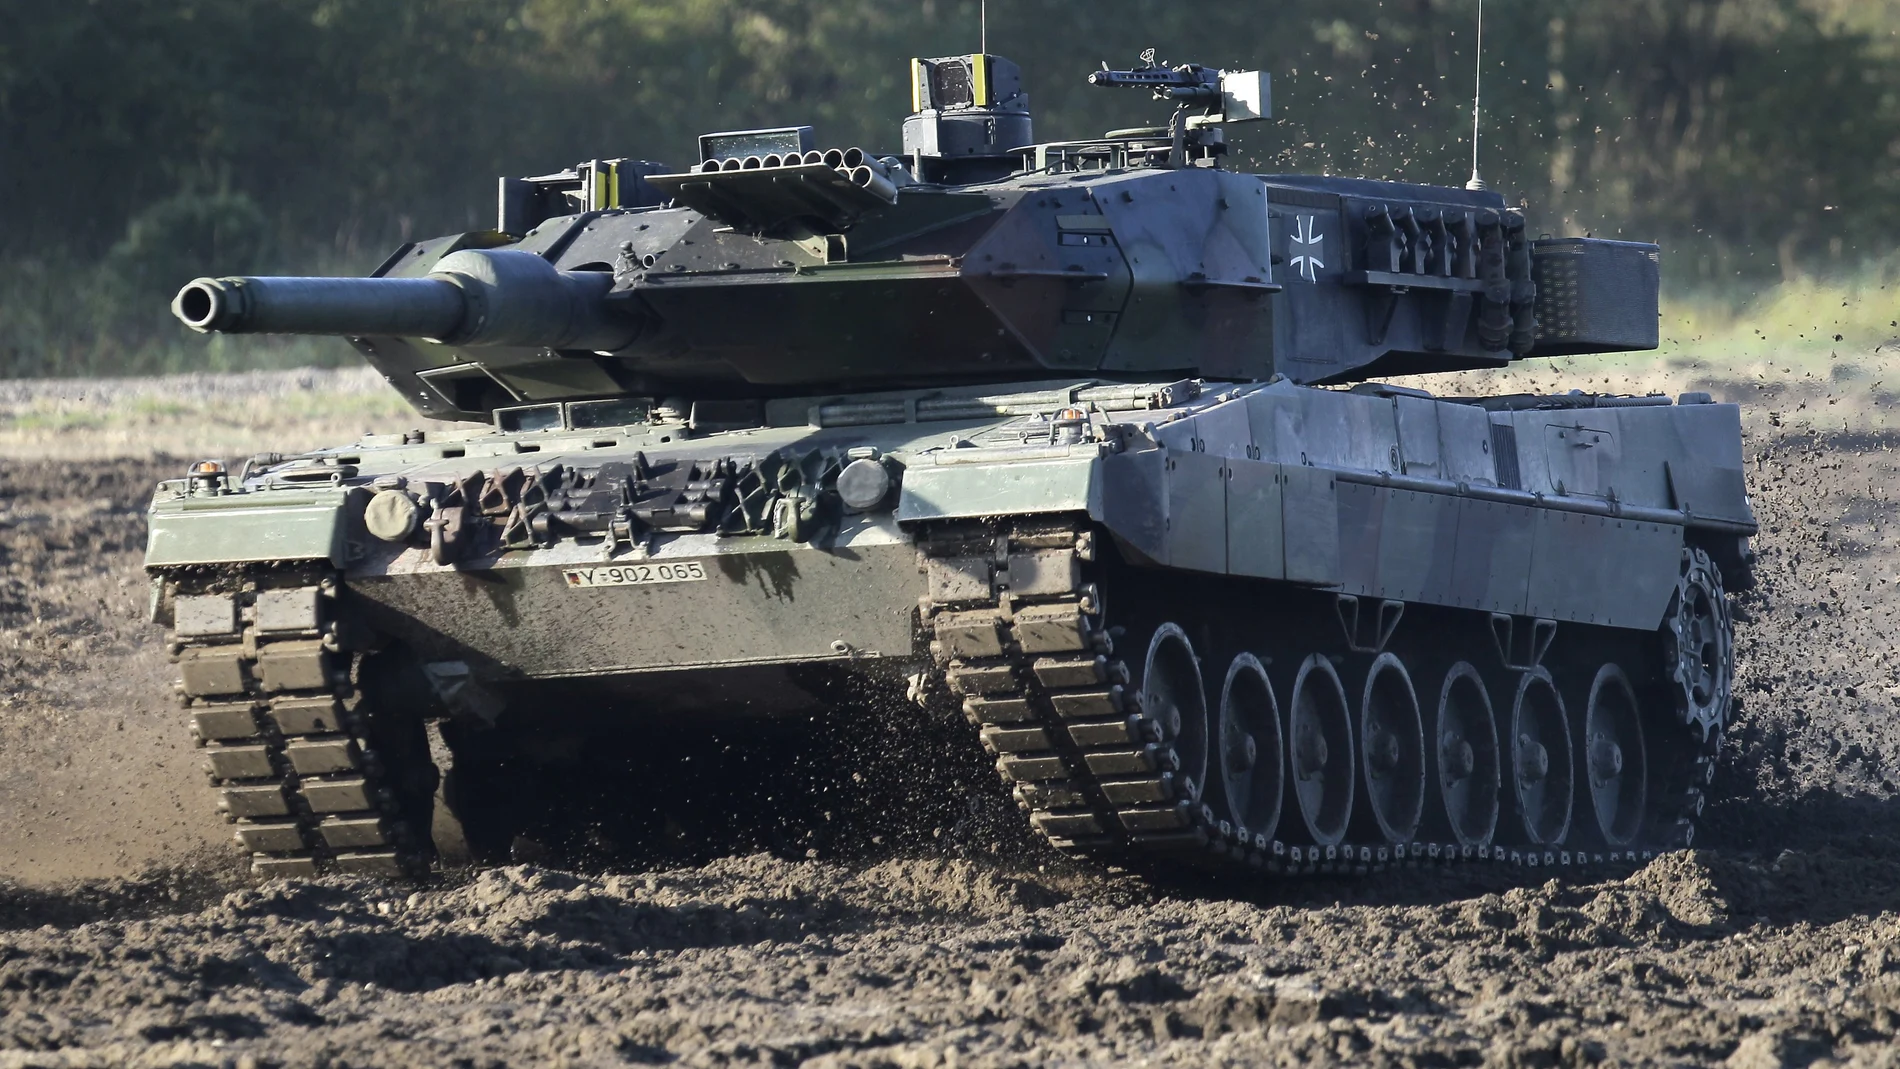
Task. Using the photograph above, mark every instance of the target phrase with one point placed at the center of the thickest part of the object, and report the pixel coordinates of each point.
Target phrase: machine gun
(1205, 99)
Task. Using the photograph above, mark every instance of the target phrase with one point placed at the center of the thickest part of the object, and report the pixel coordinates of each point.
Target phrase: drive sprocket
(1698, 647)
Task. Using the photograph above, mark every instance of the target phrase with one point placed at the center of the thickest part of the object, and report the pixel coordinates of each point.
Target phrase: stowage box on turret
(1086, 439)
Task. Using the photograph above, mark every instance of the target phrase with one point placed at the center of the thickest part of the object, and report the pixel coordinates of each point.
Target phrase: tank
(1093, 444)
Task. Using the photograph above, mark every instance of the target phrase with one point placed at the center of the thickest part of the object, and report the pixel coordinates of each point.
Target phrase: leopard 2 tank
(1091, 441)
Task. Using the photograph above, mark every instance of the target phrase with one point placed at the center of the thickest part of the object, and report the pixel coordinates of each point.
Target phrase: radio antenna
(983, 21)
(1477, 96)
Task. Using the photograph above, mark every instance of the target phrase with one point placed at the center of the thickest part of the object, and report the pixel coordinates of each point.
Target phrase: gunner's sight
(969, 115)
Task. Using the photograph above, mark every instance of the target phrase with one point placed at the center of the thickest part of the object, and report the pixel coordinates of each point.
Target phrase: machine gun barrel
(1190, 83)
(471, 297)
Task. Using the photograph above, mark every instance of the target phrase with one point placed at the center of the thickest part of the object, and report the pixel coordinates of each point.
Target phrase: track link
(1016, 633)
(288, 737)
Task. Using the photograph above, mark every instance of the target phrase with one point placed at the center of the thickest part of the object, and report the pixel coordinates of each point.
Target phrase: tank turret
(973, 255)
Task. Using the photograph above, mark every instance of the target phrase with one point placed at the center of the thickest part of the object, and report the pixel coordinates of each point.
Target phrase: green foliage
(148, 141)
(163, 241)
(78, 319)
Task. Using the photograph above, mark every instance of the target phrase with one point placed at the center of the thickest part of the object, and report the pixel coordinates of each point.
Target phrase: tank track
(288, 738)
(297, 753)
(1039, 678)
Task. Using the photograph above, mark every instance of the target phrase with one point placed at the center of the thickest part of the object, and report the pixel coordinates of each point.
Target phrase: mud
(1775, 942)
(95, 778)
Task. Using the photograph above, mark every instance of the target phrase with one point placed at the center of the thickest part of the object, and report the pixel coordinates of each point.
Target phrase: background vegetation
(144, 142)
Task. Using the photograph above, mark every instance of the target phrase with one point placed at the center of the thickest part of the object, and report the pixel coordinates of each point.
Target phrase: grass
(58, 415)
(227, 416)
(1837, 328)
(165, 350)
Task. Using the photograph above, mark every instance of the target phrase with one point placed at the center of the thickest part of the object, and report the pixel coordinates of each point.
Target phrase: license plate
(637, 574)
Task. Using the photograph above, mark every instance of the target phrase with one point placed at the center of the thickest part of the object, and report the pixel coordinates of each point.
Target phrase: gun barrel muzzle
(401, 307)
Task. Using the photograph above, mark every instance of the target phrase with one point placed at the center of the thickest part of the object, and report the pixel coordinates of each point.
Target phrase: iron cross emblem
(1308, 246)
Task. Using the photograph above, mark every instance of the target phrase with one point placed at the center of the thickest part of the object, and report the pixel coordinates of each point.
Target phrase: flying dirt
(1771, 943)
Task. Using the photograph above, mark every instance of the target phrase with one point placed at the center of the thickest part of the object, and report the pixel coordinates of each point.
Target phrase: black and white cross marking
(1307, 248)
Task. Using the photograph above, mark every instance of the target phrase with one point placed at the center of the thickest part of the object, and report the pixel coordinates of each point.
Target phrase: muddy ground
(127, 939)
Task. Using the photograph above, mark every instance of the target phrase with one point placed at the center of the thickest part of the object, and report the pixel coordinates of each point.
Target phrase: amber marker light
(205, 475)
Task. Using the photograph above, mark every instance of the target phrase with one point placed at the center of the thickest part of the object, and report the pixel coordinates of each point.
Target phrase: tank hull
(1245, 624)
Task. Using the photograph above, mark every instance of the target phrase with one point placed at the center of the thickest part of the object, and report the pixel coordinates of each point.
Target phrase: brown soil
(1776, 942)
(95, 777)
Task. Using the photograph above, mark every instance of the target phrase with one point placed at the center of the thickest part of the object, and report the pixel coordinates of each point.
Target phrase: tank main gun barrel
(402, 307)
(472, 297)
